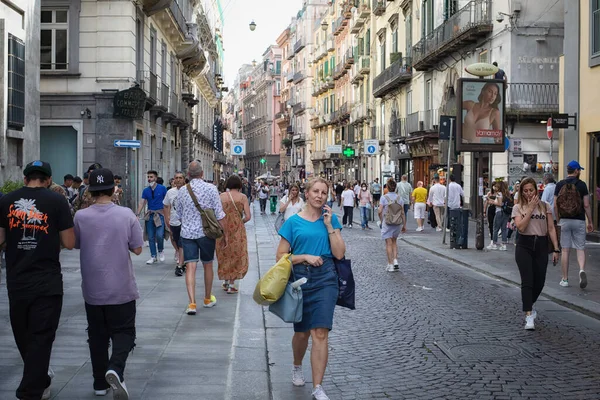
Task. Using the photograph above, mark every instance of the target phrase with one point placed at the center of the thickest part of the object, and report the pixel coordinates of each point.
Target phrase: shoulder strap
(194, 198)
(234, 206)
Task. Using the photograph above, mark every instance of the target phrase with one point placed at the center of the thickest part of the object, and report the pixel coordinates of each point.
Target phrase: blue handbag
(289, 306)
(346, 283)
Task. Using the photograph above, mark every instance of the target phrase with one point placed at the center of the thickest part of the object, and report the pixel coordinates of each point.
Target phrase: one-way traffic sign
(132, 144)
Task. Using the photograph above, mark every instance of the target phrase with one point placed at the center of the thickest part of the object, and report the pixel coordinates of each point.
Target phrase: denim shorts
(319, 295)
(202, 249)
(176, 233)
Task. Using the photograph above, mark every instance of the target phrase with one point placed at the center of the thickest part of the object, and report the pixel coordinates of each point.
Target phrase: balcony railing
(290, 130)
(149, 83)
(330, 44)
(412, 123)
(290, 52)
(364, 8)
(299, 108)
(349, 58)
(164, 95)
(531, 99)
(430, 120)
(379, 7)
(397, 128)
(357, 22)
(365, 65)
(339, 25)
(393, 77)
(299, 77)
(290, 76)
(466, 26)
(179, 17)
(299, 45)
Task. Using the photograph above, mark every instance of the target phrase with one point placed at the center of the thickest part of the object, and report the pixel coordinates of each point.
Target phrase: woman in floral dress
(232, 258)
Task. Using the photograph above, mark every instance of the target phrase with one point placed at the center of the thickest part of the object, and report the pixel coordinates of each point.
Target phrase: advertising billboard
(480, 119)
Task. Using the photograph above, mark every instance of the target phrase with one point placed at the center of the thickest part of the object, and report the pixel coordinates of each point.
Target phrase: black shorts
(176, 232)
(376, 197)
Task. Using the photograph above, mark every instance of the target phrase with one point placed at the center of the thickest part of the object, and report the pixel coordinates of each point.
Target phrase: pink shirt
(365, 197)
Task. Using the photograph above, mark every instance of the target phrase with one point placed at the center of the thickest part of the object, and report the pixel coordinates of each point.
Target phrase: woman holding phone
(535, 224)
(314, 238)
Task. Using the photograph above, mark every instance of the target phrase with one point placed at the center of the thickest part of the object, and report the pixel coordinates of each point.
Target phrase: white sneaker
(47, 391)
(161, 256)
(102, 392)
(212, 303)
(564, 283)
(389, 268)
(502, 248)
(438, 229)
(395, 262)
(152, 260)
(298, 376)
(534, 313)
(319, 394)
(582, 279)
(492, 246)
(119, 389)
(529, 325)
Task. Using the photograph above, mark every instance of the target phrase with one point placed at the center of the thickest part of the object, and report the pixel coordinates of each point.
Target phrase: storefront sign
(334, 149)
(481, 69)
(516, 146)
(480, 119)
(560, 121)
(130, 103)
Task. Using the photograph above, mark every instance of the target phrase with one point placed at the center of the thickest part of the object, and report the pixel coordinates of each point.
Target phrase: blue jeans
(500, 224)
(156, 234)
(364, 214)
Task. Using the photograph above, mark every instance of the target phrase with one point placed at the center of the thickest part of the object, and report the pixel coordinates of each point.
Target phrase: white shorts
(419, 210)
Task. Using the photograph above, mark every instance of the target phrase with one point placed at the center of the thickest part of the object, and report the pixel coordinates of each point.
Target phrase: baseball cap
(38, 166)
(574, 165)
(77, 179)
(94, 166)
(101, 179)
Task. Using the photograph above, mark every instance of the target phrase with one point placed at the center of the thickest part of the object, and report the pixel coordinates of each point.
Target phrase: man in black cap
(34, 223)
(108, 281)
(85, 199)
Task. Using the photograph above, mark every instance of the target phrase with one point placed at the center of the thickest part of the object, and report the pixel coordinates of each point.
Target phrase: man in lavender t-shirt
(106, 233)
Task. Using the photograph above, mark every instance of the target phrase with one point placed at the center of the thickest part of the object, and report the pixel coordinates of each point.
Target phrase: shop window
(16, 83)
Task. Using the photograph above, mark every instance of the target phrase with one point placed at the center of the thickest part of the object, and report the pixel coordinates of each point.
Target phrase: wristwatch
(558, 251)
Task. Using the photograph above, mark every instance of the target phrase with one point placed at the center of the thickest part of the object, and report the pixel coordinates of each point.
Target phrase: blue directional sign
(237, 150)
(131, 144)
(371, 149)
(371, 146)
(238, 147)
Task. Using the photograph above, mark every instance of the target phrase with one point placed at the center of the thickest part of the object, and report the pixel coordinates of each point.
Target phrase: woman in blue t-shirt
(314, 238)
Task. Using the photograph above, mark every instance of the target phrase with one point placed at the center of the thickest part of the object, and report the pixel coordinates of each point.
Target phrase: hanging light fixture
(252, 105)
(324, 25)
(254, 63)
(253, 92)
(252, 26)
(310, 64)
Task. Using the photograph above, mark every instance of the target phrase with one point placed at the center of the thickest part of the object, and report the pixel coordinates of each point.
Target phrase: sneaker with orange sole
(208, 303)
(191, 310)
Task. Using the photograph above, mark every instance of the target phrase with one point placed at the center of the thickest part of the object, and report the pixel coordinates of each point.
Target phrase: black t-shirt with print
(581, 188)
(32, 219)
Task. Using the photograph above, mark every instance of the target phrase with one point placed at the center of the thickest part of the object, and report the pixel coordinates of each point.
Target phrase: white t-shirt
(348, 198)
(356, 189)
(437, 195)
(170, 200)
(292, 208)
(455, 192)
(262, 194)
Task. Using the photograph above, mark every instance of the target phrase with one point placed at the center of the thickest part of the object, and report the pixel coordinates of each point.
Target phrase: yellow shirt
(420, 195)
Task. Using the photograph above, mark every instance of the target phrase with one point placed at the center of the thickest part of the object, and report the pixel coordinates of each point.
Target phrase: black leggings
(348, 215)
(531, 255)
(491, 214)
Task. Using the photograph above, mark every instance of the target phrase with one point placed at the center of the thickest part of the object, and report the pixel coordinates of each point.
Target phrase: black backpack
(507, 205)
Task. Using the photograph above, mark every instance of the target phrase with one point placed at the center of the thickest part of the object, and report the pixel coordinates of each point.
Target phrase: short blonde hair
(314, 181)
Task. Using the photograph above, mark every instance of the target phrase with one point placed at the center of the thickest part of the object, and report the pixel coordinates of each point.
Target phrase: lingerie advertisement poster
(480, 124)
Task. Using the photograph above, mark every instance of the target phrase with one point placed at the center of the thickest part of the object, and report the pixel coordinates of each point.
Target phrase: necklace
(104, 202)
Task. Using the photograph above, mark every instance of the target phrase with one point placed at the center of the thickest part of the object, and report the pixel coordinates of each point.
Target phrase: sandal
(232, 290)
(225, 286)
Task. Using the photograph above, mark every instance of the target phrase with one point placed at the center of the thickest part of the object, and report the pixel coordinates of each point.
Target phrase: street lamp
(252, 26)
(324, 25)
(254, 63)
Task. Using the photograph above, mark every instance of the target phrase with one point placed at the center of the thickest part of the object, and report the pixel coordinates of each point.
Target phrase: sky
(240, 44)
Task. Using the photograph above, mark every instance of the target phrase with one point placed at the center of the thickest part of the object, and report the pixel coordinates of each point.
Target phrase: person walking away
(376, 192)
(548, 193)
(339, 189)
(572, 205)
(365, 200)
(455, 194)
(392, 216)
(490, 210)
(68, 186)
(535, 223)
(263, 195)
(85, 198)
(291, 204)
(197, 246)
(232, 252)
(501, 75)
(315, 237)
(273, 197)
(404, 189)
(504, 204)
(356, 193)
(34, 223)
(348, 197)
(153, 196)
(437, 200)
(105, 234)
(172, 220)
(330, 194)
(419, 199)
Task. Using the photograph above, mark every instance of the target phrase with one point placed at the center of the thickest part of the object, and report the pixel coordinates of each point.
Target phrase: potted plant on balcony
(286, 142)
(395, 57)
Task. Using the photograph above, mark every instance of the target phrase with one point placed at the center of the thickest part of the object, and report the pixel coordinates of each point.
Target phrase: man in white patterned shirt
(196, 246)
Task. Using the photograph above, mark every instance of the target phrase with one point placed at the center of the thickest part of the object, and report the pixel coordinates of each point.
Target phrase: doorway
(58, 146)
(594, 182)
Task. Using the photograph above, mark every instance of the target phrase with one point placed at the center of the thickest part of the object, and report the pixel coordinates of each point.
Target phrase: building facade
(19, 87)
(580, 71)
(94, 53)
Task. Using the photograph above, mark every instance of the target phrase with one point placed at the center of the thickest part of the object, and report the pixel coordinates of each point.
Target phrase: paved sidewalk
(218, 354)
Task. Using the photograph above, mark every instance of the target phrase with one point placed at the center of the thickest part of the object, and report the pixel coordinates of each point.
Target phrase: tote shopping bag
(279, 222)
(346, 283)
(272, 284)
(289, 306)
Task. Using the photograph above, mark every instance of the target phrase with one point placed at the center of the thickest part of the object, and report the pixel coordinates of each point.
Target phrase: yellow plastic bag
(272, 285)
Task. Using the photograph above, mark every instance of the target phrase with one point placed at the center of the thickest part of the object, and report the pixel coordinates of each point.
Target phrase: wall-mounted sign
(560, 121)
(334, 149)
(130, 103)
(481, 69)
(238, 147)
(447, 125)
(517, 149)
(480, 119)
(371, 146)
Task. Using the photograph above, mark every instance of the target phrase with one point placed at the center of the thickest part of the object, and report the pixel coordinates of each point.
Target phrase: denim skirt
(319, 295)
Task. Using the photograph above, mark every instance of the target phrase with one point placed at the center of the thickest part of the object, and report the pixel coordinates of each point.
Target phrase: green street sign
(349, 152)
(262, 161)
